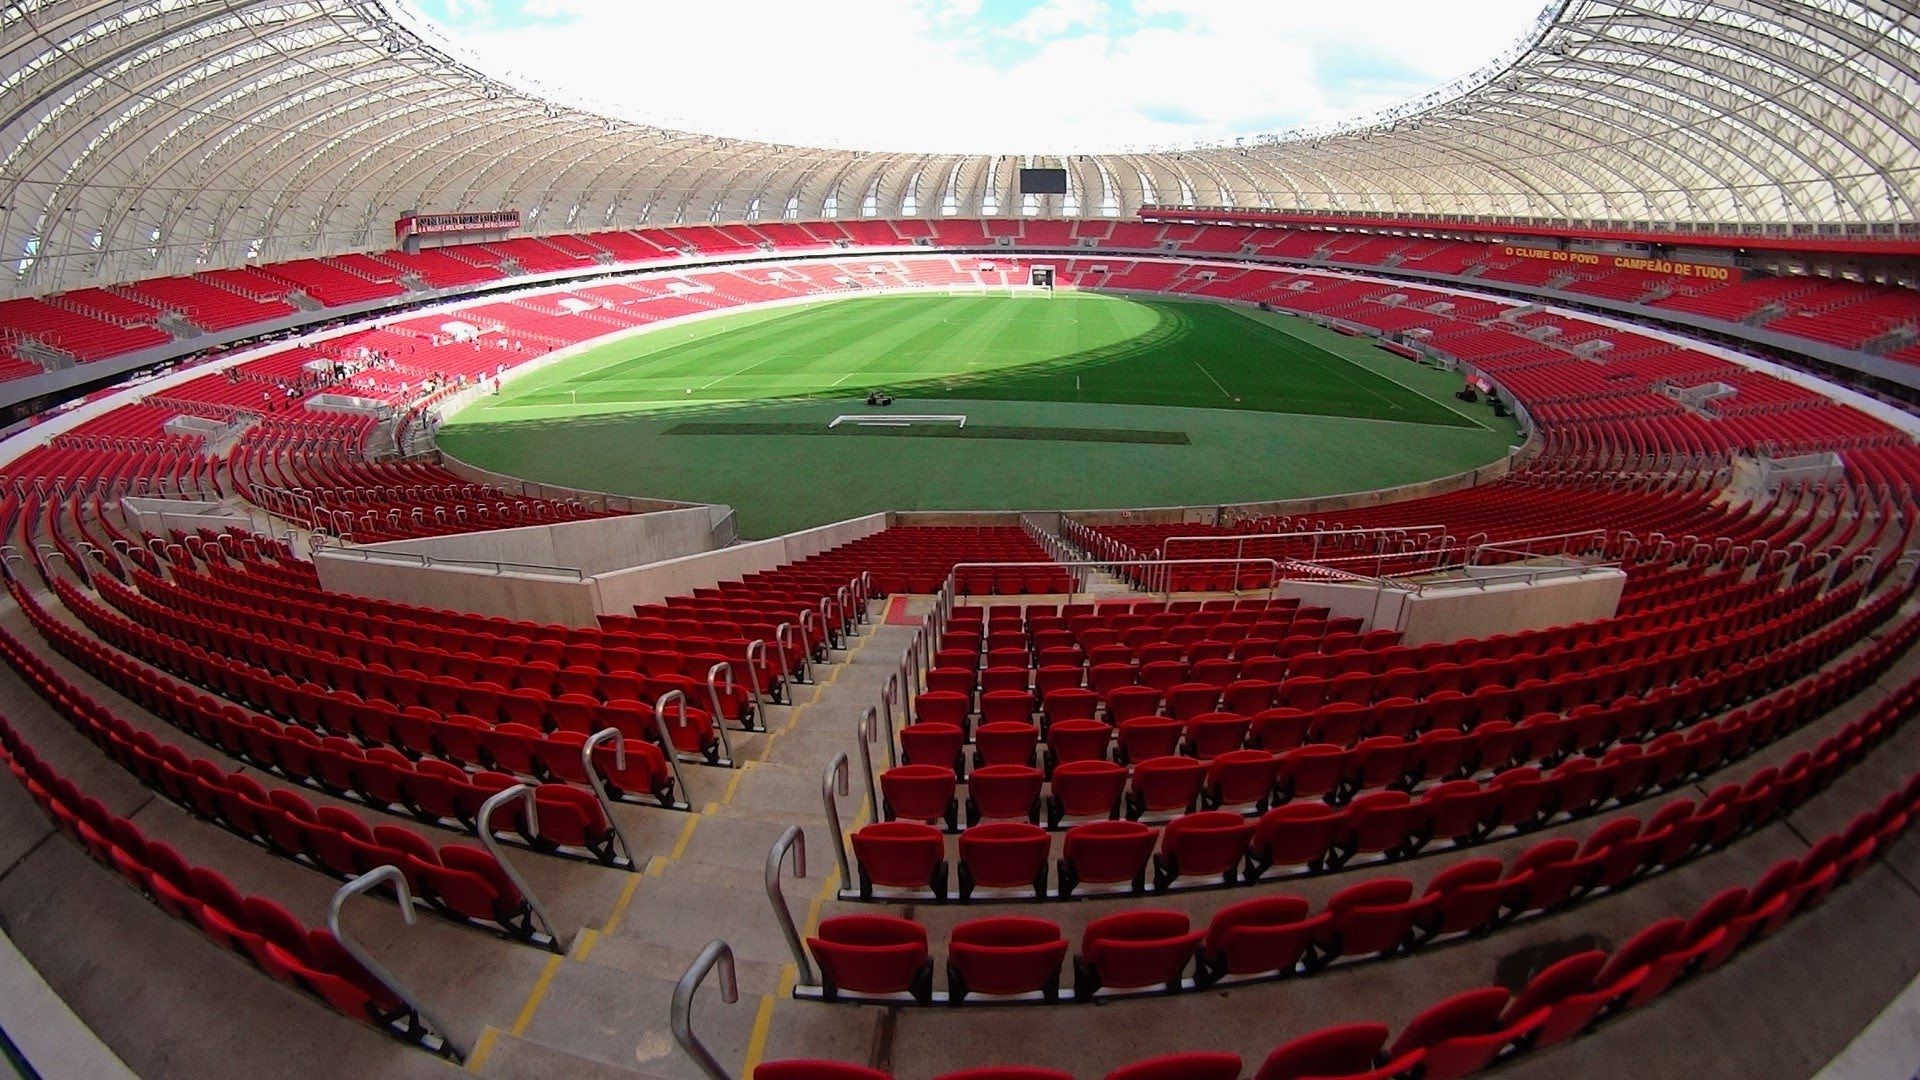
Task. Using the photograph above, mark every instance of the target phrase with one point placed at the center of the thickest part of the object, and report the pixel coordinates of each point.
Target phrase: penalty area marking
(901, 420)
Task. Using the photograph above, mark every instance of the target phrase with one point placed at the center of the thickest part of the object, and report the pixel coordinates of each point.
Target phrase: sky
(972, 76)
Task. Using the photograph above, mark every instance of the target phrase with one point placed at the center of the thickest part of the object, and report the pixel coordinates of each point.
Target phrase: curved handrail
(828, 632)
(483, 830)
(832, 781)
(666, 739)
(713, 693)
(849, 624)
(793, 839)
(370, 879)
(756, 656)
(864, 734)
(808, 633)
(600, 786)
(887, 694)
(782, 645)
(716, 953)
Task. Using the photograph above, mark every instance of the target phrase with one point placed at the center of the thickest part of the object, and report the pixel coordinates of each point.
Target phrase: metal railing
(717, 954)
(483, 829)
(420, 1024)
(794, 840)
(678, 698)
(497, 566)
(1569, 545)
(1315, 536)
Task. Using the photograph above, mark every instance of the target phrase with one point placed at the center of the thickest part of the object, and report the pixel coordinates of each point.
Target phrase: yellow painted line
(686, 837)
(733, 785)
(620, 905)
(655, 865)
(763, 1019)
(819, 688)
(482, 1050)
(540, 988)
(583, 943)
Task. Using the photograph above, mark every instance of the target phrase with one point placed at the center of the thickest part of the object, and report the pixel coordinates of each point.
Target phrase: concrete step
(526, 1059)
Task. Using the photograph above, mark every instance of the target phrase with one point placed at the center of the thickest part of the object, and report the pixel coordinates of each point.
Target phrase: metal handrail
(806, 625)
(835, 779)
(666, 739)
(849, 624)
(717, 953)
(483, 830)
(753, 662)
(498, 567)
(713, 694)
(793, 839)
(782, 643)
(1522, 545)
(1240, 539)
(887, 695)
(949, 588)
(435, 1028)
(865, 733)
(1529, 574)
(599, 785)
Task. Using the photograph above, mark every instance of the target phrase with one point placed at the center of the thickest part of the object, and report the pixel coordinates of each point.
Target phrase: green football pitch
(1078, 400)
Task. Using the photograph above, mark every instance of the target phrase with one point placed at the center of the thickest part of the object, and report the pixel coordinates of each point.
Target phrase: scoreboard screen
(1043, 181)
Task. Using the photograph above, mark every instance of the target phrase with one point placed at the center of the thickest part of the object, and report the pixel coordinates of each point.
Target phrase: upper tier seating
(84, 337)
(207, 305)
(1833, 312)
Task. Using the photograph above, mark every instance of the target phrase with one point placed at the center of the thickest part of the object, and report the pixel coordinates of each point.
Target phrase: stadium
(500, 584)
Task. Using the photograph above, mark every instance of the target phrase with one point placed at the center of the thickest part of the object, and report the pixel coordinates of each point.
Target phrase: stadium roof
(167, 136)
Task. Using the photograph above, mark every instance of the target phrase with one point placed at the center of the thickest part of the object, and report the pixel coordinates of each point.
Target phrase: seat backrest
(1470, 1012)
(1332, 1051)
(1192, 1066)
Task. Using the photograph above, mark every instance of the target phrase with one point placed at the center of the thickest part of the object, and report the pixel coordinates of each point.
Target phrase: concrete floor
(171, 1005)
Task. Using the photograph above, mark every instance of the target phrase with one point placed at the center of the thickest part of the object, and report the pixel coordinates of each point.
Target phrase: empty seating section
(208, 305)
(367, 501)
(335, 285)
(536, 256)
(94, 324)
(254, 926)
(462, 882)
(248, 281)
(1012, 959)
(440, 268)
(1131, 750)
(82, 336)
(1366, 775)
(919, 560)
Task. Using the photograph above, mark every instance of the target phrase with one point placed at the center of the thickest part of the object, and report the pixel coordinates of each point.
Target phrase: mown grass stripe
(932, 431)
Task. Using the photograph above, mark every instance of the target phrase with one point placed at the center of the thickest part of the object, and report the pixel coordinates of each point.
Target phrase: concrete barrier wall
(591, 546)
(471, 589)
(158, 516)
(1450, 613)
(618, 592)
(497, 573)
(1377, 606)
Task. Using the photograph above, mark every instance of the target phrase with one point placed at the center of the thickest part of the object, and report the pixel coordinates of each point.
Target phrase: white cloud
(1072, 75)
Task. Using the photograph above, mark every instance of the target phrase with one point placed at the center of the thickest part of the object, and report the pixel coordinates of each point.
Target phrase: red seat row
(902, 858)
(1454, 1038)
(253, 926)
